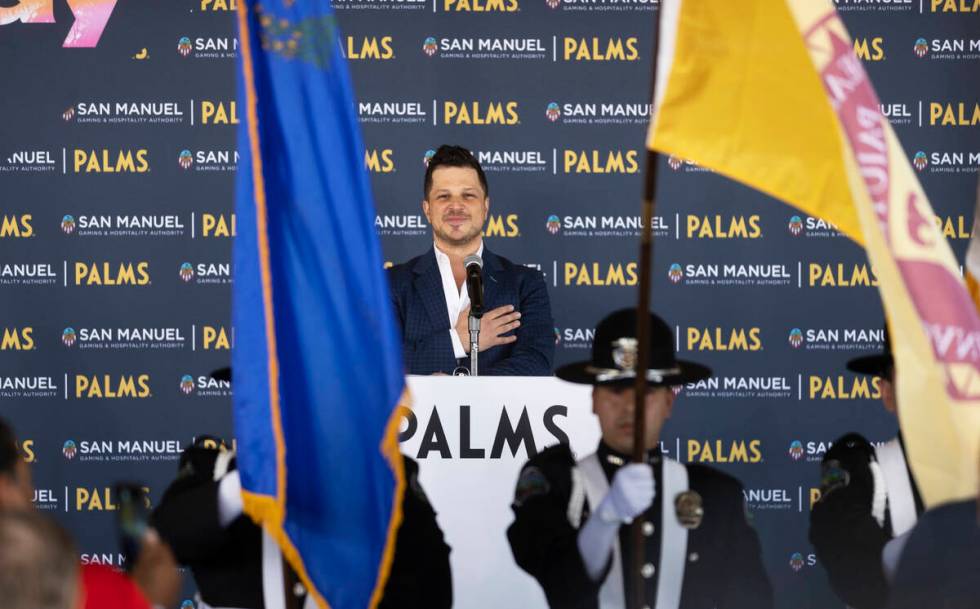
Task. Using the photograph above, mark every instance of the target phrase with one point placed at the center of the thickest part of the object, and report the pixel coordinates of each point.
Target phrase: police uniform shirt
(847, 539)
(723, 563)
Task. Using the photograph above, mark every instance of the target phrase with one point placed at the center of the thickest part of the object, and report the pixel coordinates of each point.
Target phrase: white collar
(443, 258)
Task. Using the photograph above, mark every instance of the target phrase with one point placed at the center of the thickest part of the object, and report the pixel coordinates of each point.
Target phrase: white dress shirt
(456, 299)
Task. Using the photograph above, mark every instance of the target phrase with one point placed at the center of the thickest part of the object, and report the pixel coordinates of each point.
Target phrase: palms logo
(674, 162)
(920, 161)
(187, 604)
(184, 46)
(557, 336)
(796, 450)
(187, 384)
(796, 561)
(68, 114)
(186, 159)
(553, 113)
(68, 224)
(795, 338)
(68, 337)
(428, 156)
(921, 47)
(553, 224)
(69, 449)
(675, 273)
(186, 271)
(552, 3)
(795, 225)
(429, 46)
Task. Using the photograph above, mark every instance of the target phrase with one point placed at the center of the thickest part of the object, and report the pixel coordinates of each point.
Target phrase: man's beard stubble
(466, 239)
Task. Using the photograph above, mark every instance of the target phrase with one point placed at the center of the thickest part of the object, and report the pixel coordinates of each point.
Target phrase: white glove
(632, 492)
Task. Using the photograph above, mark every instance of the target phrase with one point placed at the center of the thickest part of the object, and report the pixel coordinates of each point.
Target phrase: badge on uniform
(624, 353)
(532, 482)
(689, 508)
(833, 476)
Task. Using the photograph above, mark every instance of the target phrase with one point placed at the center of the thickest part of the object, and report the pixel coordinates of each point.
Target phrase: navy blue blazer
(420, 307)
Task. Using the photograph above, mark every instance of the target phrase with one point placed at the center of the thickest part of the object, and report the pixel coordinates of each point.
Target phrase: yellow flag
(770, 93)
(973, 255)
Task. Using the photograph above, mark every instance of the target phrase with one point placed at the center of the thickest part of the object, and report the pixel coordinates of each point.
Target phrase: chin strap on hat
(604, 375)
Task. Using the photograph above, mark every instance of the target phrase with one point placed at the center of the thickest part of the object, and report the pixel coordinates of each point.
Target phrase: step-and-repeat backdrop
(118, 160)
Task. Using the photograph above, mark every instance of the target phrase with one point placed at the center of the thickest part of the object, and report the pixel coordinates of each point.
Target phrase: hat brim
(222, 374)
(874, 365)
(583, 374)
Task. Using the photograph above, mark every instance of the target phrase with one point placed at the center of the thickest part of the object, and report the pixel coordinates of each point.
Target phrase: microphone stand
(474, 344)
(474, 287)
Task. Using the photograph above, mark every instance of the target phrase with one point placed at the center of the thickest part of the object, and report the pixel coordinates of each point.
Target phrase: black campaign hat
(878, 364)
(614, 351)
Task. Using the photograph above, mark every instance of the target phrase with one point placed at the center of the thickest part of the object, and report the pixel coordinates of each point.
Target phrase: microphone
(474, 284)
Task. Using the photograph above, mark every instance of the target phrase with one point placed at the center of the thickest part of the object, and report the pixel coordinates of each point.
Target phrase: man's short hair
(9, 454)
(38, 563)
(453, 156)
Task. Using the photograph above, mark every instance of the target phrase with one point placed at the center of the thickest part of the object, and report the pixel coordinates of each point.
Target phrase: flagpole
(637, 593)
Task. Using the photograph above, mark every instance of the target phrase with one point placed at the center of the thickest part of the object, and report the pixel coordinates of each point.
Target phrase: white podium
(471, 436)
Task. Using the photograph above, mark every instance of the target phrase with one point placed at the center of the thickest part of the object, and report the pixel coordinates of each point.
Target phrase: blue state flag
(317, 357)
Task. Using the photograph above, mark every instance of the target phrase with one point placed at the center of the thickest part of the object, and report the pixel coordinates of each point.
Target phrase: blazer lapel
(428, 284)
(491, 286)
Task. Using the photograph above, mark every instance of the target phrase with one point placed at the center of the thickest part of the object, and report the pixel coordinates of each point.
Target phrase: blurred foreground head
(38, 563)
(16, 487)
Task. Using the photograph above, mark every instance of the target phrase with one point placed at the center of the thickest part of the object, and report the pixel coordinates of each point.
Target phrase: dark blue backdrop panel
(117, 166)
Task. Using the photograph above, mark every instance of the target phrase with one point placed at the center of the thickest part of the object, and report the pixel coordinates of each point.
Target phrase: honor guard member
(571, 518)
(868, 502)
(235, 564)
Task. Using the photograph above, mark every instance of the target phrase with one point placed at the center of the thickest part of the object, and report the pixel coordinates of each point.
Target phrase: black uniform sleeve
(187, 515)
(541, 537)
(420, 572)
(748, 585)
(189, 537)
(847, 539)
